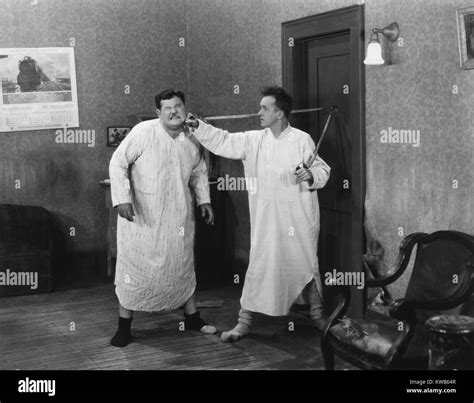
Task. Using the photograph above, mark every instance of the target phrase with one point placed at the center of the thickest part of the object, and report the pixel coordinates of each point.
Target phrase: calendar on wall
(38, 89)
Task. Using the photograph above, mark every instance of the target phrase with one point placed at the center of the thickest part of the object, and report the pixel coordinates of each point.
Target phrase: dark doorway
(322, 66)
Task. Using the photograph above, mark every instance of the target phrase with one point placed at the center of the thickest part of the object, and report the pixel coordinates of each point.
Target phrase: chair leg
(328, 357)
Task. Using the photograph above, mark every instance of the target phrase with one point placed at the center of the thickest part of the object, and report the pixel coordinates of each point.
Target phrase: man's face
(172, 113)
(269, 113)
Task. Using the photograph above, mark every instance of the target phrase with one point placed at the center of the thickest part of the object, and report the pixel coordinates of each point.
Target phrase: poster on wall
(38, 89)
(465, 18)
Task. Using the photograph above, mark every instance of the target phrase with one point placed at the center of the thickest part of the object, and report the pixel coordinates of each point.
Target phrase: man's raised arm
(220, 142)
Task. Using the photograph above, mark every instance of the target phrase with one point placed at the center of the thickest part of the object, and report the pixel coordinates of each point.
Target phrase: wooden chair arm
(404, 255)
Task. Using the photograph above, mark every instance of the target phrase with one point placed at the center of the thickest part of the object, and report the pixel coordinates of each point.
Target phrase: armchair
(26, 245)
(442, 278)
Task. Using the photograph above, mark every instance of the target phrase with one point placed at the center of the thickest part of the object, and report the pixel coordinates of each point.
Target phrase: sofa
(26, 246)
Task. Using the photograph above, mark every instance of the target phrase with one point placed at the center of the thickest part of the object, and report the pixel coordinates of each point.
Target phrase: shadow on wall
(56, 178)
(215, 245)
(237, 219)
(222, 251)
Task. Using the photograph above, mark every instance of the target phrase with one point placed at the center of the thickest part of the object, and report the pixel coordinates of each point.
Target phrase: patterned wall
(118, 43)
(239, 43)
(411, 187)
(408, 187)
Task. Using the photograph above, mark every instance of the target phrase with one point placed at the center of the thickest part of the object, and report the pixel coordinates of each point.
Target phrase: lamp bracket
(391, 31)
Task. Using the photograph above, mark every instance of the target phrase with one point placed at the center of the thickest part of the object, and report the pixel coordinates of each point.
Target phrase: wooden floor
(71, 330)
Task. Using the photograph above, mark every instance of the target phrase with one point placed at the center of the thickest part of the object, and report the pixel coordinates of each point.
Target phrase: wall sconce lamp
(374, 50)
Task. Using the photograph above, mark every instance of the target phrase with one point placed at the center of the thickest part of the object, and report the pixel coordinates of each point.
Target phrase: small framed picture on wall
(115, 135)
(465, 19)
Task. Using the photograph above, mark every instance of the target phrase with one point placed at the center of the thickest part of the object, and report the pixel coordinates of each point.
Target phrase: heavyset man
(152, 174)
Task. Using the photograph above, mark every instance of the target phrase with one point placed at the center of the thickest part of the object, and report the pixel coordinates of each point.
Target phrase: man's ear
(158, 112)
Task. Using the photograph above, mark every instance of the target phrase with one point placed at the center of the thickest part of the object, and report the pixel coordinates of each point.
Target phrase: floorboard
(71, 330)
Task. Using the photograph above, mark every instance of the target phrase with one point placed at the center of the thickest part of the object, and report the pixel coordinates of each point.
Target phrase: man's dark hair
(168, 94)
(283, 101)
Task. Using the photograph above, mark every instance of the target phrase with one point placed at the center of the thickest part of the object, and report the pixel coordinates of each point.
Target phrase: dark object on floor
(218, 303)
(442, 279)
(26, 244)
(212, 303)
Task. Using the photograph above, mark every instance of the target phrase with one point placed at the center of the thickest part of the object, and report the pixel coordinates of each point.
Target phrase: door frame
(348, 19)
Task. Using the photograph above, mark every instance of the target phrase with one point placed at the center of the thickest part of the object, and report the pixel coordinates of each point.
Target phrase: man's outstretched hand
(126, 211)
(191, 121)
(207, 213)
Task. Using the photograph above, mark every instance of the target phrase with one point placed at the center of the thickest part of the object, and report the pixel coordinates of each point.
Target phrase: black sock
(193, 321)
(123, 335)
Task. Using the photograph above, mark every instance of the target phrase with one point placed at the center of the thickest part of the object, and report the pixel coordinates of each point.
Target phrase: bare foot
(236, 333)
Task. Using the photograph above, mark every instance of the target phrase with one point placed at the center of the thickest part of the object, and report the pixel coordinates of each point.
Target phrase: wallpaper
(230, 50)
(117, 43)
(428, 186)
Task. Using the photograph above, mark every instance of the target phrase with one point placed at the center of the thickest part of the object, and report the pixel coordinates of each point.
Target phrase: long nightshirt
(284, 215)
(155, 258)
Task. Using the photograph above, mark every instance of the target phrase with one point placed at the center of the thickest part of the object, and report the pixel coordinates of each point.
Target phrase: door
(328, 67)
(323, 68)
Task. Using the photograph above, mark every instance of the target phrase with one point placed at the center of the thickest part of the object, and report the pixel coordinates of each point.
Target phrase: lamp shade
(374, 54)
